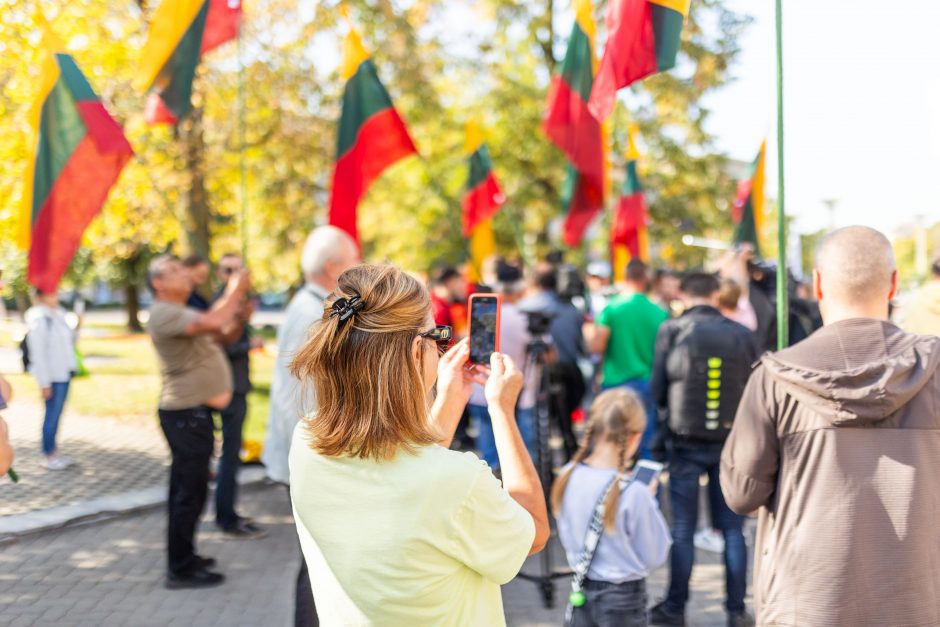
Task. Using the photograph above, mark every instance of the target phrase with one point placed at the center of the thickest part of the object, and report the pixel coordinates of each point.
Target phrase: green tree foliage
(439, 74)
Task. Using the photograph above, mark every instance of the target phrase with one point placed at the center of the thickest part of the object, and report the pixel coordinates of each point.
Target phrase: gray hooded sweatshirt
(837, 442)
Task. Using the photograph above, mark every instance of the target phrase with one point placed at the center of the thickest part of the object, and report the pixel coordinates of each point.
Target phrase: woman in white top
(396, 528)
(51, 344)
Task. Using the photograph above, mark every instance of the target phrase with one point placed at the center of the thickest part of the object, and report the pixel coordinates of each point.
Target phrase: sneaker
(709, 540)
(199, 578)
(244, 529)
(740, 620)
(56, 463)
(204, 562)
(659, 615)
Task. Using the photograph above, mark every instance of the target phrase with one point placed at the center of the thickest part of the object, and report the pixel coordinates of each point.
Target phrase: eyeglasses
(442, 334)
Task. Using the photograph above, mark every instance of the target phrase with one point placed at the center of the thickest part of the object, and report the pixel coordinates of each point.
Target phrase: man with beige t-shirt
(196, 379)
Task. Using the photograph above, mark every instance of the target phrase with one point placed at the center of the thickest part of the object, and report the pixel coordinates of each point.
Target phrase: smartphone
(647, 471)
(484, 327)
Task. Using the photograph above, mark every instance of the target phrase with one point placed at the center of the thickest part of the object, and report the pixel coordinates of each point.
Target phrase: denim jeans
(686, 466)
(612, 605)
(226, 484)
(486, 443)
(190, 436)
(54, 406)
(642, 389)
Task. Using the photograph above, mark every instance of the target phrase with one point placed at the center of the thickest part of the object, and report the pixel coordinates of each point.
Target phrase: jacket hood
(856, 371)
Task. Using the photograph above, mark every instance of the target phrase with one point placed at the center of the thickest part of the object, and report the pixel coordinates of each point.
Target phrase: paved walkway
(110, 573)
(112, 457)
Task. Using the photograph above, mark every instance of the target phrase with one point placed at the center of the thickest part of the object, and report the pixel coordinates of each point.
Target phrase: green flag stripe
(480, 166)
(746, 230)
(363, 97)
(74, 79)
(577, 69)
(174, 83)
(667, 26)
(631, 182)
(61, 129)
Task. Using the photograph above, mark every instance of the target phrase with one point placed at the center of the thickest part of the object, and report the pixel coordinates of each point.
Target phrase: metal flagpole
(243, 181)
(783, 308)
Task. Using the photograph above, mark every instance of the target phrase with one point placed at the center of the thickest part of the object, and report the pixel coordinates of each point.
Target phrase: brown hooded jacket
(837, 441)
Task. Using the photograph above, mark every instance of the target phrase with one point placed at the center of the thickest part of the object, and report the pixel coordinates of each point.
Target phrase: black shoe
(659, 615)
(244, 529)
(199, 578)
(740, 620)
(204, 562)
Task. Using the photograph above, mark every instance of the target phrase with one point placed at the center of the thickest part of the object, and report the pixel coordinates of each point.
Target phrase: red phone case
(499, 308)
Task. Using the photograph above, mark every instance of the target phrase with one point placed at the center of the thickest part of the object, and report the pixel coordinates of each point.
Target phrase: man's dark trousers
(226, 484)
(189, 434)
(686, 466)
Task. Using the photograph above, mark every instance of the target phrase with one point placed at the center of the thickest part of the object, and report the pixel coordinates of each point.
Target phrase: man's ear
(894, 286)
(817, 285)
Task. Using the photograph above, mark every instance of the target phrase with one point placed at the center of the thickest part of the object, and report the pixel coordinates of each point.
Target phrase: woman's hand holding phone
(455, 379)
(504, 384)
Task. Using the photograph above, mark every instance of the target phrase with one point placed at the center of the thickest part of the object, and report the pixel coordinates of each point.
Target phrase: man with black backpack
(701, 364)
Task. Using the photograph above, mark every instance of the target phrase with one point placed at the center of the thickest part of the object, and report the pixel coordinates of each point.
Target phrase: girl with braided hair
(635, 538)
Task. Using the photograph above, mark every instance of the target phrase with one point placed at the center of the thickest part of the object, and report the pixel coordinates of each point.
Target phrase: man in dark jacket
(233, 418)
(701, 364)
(836, 441)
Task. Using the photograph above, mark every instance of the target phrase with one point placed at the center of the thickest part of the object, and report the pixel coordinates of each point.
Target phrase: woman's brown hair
(370, 393)
(615, 416)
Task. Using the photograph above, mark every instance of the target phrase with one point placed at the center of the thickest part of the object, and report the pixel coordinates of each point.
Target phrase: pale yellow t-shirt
(423, 539)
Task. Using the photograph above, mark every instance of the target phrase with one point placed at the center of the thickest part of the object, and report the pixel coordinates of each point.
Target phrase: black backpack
(24, 346)
(708, 367)
(24, 349)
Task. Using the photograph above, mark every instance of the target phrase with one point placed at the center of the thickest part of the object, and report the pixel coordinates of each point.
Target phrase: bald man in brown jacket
(837, 443)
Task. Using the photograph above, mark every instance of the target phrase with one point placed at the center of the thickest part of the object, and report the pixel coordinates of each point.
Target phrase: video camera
(539, 322)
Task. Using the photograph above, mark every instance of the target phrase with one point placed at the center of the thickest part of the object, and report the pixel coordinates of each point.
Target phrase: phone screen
(646, 473)
(484, 328)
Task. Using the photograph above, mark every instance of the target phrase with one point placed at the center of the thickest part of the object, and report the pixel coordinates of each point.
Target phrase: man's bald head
(856, 268)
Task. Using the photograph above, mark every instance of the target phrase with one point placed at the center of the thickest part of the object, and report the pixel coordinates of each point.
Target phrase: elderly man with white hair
(327, 253)
(836, 442)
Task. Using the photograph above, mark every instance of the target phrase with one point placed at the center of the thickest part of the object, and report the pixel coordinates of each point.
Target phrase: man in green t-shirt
(625, 333)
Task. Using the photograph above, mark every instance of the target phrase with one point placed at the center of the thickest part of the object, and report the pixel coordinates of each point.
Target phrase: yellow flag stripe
(632, 153)
(584, 16)
(679, 6)
(757, 190)
(482, 246)
(354, 54)
(475, 137)
(171, 21)
(48, 76)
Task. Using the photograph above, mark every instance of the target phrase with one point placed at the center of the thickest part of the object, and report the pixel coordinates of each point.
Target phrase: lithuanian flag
(629, 237)
(642, 39)
(180, 33)
(570, 125)
(748, 210)
(77, 153)
(371, 135)
(483, 196)
(480, 202)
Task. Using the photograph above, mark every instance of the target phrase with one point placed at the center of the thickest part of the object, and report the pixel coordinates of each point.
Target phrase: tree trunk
(197, 205)
(133, 306)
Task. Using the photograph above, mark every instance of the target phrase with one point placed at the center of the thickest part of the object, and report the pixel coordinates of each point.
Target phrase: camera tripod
(547, 406)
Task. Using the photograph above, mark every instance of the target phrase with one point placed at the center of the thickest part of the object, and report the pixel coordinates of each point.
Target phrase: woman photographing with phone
(396, 528)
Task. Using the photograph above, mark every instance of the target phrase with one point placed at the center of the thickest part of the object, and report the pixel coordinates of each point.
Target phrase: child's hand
(654, 487)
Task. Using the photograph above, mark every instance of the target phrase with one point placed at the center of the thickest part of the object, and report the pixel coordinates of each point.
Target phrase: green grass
(124, 381)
